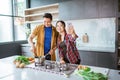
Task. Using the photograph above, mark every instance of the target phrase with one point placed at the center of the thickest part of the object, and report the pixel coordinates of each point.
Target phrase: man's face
(47, 22)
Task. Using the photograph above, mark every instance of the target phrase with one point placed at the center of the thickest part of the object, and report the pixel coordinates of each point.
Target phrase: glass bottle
(85, 38)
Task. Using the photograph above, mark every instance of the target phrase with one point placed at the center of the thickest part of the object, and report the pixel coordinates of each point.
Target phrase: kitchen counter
(8, 71)
(89, 48)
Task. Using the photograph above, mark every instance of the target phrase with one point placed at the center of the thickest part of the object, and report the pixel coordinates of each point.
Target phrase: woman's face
(60, 27)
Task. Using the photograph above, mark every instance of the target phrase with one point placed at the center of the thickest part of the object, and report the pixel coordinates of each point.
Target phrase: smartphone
(69, 25)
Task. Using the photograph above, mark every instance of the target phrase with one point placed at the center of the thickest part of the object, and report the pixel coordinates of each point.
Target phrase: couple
(49, 38)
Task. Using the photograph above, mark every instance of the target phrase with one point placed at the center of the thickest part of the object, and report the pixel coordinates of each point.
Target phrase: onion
(22, 65)
(17, 64)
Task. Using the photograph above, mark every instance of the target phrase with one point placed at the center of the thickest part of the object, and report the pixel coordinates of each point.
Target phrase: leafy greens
(90, 75)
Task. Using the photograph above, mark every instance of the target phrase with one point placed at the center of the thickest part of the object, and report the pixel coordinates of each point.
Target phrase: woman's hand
(70, 29)
(62, 61)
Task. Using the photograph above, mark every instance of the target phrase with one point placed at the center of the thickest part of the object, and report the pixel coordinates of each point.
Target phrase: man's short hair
(47, 15)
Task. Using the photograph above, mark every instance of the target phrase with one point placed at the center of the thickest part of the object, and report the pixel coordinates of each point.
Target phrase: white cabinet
(34, 15)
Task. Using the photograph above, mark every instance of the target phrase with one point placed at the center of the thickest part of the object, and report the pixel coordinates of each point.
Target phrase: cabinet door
(88, 58)
(106, 8)
(70, 10)
(91, 9)
(107, 60)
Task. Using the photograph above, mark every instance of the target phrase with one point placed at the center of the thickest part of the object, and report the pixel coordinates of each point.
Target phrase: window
(19, 25)
(10, 11)
(19, 29)
(6, 7)
(19, 6)
(6, 29)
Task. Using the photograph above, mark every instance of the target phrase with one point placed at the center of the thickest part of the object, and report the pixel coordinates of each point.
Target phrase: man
(46, 37)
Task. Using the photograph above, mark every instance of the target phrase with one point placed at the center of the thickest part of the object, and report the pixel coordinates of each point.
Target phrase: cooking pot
(64, 67)
(48, 64)
(39, 61)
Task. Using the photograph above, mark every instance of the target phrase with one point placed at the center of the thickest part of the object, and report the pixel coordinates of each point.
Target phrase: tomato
(30, 58)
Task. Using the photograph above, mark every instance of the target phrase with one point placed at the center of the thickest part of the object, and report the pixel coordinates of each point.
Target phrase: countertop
(89, 48)
(8, 71)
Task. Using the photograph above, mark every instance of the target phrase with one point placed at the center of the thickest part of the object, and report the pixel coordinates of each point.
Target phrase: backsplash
(100, 32)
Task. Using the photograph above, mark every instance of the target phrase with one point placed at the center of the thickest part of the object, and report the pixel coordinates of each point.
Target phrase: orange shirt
(39, 33)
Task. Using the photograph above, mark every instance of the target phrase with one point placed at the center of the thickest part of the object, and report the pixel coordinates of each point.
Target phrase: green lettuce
(91, 75)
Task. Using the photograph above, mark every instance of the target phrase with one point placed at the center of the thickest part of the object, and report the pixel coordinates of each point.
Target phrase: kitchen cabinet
(91, 11)
(88, 58)
(100, 59)
(106, 8)
(106, 60)
(87, 9)
(35, 15)
(73, 10)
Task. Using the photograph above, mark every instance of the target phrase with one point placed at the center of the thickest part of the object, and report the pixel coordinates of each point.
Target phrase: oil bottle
(85, 38)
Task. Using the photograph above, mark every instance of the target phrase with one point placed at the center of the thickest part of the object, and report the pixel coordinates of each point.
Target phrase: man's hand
(33, 49)
(51, 51)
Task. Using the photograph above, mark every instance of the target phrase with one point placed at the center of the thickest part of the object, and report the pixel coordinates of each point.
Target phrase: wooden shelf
(41, 14)
(39, 21)
(42, 7)
(33, 15)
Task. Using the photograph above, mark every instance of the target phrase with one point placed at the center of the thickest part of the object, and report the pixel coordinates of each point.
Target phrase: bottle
(85, 38)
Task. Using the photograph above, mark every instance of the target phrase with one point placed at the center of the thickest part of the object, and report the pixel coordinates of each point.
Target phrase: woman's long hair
(64, 25)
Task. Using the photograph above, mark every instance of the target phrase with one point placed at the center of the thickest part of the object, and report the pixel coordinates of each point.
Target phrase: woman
(68, 52)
